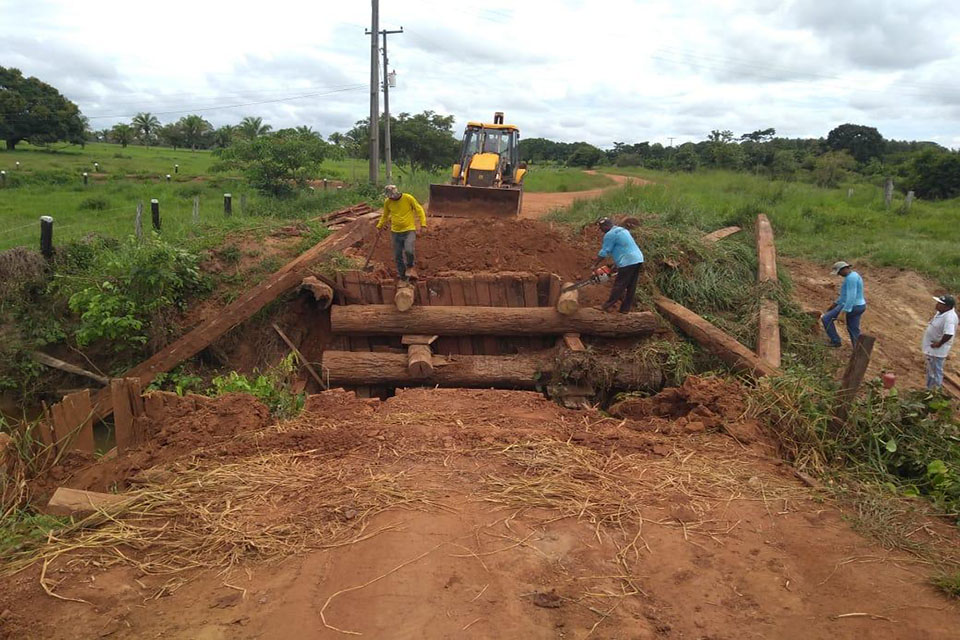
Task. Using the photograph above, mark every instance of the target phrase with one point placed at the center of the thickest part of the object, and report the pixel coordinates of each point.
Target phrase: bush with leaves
(272, 387)
(275, 165)
(134, 283)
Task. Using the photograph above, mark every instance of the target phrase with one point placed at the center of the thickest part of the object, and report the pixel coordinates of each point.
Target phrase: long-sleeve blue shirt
(619, 244)
(851, 292)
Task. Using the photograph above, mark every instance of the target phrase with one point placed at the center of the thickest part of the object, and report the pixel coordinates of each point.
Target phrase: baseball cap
(948, 300)
(840, 264)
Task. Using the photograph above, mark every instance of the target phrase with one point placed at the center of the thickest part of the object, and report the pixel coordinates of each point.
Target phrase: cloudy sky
(600, 70)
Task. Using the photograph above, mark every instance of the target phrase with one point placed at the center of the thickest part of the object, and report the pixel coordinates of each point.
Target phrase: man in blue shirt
(850, 301)
(619, 245)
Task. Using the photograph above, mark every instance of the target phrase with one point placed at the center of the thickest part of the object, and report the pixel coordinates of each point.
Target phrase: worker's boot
(412, 273)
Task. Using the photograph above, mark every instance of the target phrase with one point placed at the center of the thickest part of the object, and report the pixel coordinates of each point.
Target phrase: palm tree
(251, 127)
(223, 136)
(122, 133)
(146, 125)
(194, 129)
(336, 138)
(307, 131)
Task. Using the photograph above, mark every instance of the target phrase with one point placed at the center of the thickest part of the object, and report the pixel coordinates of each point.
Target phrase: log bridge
(501, 330)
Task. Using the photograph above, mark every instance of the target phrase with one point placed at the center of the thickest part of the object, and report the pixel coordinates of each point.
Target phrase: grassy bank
(810, 222)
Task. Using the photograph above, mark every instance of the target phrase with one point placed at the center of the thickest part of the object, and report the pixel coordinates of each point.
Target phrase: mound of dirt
(476, 246)
(700, 403)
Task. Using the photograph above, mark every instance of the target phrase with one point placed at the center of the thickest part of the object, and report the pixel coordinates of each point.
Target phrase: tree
(305, 130)
(585, 155)
(760, 135)
(122, 134)
(145, 124)
(275, 164)
(223, 136)
(34, 111)
(860, 141)
(832, 167)
(336, 138)
(195, 130)
(171, 135)
(935, 174)
(784, 164)
(686, 158)
(251, 128)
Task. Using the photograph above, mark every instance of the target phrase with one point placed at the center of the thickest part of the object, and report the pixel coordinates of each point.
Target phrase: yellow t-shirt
(401, 214)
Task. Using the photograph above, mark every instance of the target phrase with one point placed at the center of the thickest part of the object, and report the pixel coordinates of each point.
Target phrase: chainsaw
(599, 276)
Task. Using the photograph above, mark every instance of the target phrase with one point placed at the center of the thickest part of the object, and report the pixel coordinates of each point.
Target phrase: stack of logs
(420, 326)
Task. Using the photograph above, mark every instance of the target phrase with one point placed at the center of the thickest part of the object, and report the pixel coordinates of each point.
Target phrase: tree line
(849, 150)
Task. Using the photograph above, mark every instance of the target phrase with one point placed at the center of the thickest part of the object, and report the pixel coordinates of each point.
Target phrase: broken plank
(720, 234)
(572, 341)
(413, 338)
(768, 333)
(80, 504)
(56, 363)
(766, 251)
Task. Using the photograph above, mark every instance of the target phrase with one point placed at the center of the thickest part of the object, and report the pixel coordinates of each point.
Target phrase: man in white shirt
(938, 339)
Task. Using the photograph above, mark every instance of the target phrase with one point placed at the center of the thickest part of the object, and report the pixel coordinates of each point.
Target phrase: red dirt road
(537, 205)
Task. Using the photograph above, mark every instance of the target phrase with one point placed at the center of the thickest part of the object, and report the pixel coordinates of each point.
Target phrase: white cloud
(601, 71)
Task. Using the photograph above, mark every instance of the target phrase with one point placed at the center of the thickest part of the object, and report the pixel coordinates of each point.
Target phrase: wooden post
(888, 192)
(96, 167)
(138, 221)
(908, 202)
(155, 213)
(46, 236)
(176, 168)
(196, 209)
(404, 296)
(16, 165)
(569, 301)
(3, 179)
(419, 360)
(227, 204)
(853, 378)
(243, 203)
(849, 192)
(85, 178)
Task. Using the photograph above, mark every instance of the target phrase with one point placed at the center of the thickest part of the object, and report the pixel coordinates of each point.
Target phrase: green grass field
(809, 222)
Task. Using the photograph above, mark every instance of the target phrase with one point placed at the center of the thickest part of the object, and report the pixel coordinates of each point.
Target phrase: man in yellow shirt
(403, 211)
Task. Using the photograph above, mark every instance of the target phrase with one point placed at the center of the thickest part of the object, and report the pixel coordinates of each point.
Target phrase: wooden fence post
(908, 202)
(138, 221)
(888, 192)
(243, 203)
(155, 213)
(46, 236)
(85, 178)
(227, 204)
(853, 378)
(176, 168)
(196, 209)
(3, 179)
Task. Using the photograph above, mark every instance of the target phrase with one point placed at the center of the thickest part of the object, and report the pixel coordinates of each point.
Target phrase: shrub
(94, 203)
(272, 387)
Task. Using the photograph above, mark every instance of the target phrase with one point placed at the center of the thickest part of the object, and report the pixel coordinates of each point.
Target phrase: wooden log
(56, 363)
(79, 503)
(241, 309)
(768, 334)
(404, 297)
(498, 321)
(713, 339)
(569, 301)
(419, 360)
(852, 378)
(720, 234)
(322, 292)
(766, 251)
(528, 370)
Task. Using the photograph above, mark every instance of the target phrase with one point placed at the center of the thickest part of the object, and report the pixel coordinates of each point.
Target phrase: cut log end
(419, 361)
(322, 292)
(569, 301)
(404, 297)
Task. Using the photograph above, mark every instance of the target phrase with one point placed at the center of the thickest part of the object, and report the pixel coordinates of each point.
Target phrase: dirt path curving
(537, 205)
(899, 306)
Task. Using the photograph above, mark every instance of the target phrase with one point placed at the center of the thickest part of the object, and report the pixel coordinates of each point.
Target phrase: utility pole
(386, 107)
(671, 140)
(374, 95)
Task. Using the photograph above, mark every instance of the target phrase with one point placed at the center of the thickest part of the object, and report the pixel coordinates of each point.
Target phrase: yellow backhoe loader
(488, 179)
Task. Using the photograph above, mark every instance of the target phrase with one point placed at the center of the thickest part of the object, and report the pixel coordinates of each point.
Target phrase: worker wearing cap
(850, 301)
(403, 211)
(938, 338)
(619, 245)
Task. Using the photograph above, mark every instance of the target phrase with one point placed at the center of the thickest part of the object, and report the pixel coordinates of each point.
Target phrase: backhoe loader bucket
(456, 201)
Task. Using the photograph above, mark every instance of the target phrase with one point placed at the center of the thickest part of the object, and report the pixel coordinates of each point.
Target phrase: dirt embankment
(478, 514)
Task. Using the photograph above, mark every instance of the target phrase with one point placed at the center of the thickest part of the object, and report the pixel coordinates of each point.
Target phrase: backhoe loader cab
(488, 179)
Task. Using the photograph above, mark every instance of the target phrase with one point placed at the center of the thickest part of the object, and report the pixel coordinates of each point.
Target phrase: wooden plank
(423, 293)
(720, 234)
(572, 341)
(78, 410)
(122, 415)
(852, 378)
(79, 504)
(446, 345)
(713, 339)
(483, 282)
(388, 291)
(241, 309)
(766, 251)
(56, 363)
(458, 298)
(768, 333)
(412, 338)
(543, 289)
(61, 428)
(556, 286)
(514, 289)
(471, 299)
